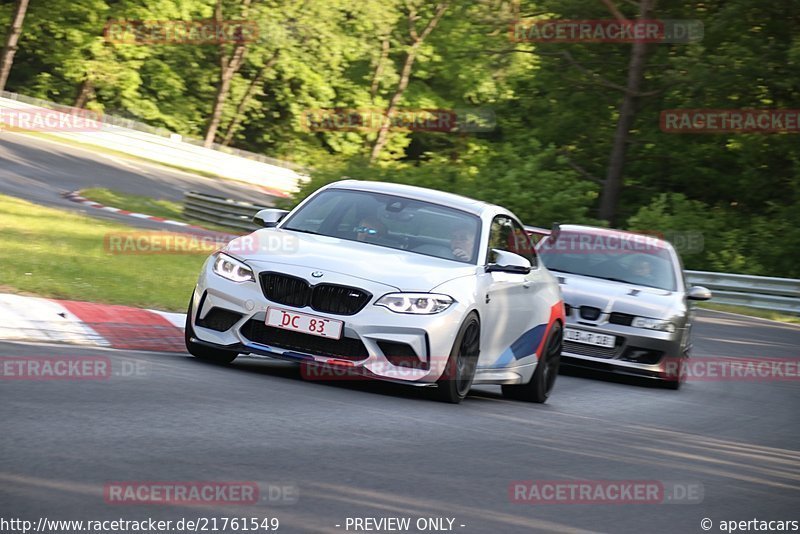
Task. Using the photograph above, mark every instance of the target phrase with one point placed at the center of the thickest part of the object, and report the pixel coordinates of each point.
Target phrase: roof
(416, 193)
(596, 230)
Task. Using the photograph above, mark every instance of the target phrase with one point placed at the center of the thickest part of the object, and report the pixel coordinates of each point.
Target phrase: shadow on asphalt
(291, 371)
(606, 376)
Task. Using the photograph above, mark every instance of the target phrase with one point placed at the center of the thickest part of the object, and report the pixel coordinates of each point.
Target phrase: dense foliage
(556, 106)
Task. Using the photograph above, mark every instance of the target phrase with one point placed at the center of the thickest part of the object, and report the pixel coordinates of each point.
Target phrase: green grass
(752, 312)
(168, 209)
(140, 204)
(58, 254)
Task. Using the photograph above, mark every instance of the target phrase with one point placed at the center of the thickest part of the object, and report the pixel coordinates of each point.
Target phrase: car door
(509, 298)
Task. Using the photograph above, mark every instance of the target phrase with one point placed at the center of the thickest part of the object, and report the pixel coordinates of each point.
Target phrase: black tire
(672, 384)
(544, 377)
(459, 372)
(202, 352)
(676, 382)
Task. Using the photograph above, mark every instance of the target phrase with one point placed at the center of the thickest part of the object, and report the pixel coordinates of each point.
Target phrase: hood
(620, 297)
(406, 271)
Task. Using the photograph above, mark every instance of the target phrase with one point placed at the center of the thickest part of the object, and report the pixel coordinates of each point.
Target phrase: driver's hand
(461, 254)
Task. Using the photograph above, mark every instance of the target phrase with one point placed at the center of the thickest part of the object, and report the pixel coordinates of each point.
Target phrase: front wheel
(544, 377)
(201, 352)
(675, 380)
(457, 378)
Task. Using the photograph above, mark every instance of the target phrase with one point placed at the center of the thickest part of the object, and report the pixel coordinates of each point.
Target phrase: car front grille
(582, 349)
(341, 300)
(327, 298)
(345, 348)
(284, 289)
(621, 318)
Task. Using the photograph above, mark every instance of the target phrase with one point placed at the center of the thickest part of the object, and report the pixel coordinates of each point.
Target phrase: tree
(10, 48)
(609, 197)
(252, 88)
(416, 40)
(230, 61)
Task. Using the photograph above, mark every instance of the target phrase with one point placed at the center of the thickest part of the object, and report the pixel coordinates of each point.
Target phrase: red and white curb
(87, 323)
(74, 196)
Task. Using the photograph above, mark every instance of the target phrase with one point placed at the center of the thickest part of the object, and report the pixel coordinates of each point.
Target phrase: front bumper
(375, 342)
(637, 351)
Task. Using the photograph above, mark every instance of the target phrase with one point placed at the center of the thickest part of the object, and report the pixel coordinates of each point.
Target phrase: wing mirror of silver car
(269, 217)
(698, 293)
(508, 262)
(555, 231)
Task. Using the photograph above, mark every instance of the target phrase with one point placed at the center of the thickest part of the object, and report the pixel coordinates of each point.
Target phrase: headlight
(653, 324)
(418, 303)
(233, 269)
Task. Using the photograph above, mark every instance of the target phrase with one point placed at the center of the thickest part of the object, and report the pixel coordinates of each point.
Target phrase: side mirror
(508, 262)
(698, 293)
(269, 217)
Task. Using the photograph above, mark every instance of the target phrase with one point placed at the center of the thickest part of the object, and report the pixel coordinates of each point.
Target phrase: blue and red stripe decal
(532, 342)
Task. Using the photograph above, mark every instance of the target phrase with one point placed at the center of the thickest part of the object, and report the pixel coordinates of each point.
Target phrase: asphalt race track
(334, 450)
(40, 170)
(378, 450)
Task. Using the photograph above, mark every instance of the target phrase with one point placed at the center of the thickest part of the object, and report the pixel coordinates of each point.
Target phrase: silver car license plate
(589, 338)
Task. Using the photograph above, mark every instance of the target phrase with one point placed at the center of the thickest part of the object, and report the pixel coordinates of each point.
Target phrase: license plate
(302, 322)
(589, 338)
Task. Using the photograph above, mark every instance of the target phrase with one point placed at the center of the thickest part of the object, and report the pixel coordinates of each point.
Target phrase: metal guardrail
(221, 211)
(778, 294)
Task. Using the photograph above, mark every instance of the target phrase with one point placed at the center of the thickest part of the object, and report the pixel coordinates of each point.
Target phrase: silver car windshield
(390, 221)
(591, 255)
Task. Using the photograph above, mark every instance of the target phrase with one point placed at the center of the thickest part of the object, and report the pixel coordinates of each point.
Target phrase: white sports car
(391, 282)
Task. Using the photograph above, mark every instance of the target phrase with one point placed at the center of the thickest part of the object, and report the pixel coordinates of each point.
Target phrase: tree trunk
(10, 48)
(609, 197)
(84, 92)
(383, 131)
(223, 88)
(376, 77)
(405, 75)
(229, 66)
(248, 95)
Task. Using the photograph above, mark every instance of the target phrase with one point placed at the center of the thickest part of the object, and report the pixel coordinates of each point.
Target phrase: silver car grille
(581, 349)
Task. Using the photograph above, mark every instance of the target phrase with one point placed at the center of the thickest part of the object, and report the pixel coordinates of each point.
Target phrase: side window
(506, 234)
(498, 235)
(524, 244)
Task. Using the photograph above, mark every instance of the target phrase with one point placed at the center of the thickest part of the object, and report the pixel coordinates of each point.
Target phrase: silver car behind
(628, 307)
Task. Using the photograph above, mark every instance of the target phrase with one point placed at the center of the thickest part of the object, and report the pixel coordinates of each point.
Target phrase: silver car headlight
(417, 303)
(653, 324)
(233, 269)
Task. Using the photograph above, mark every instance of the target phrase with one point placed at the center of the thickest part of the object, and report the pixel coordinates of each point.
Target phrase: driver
(643, 268)
(462, 244)
(370, 229)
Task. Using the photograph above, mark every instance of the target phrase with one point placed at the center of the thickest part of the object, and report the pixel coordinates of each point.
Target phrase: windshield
(390, 221)
(622, 258)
